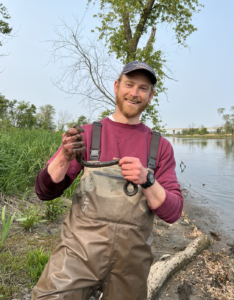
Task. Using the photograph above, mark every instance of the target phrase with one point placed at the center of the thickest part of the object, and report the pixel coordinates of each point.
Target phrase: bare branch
(89, 70)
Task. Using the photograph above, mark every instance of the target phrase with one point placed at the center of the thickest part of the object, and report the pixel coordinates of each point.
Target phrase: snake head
(78, 128)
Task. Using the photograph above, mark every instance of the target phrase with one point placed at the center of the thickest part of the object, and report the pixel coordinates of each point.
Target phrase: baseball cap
(140, 65)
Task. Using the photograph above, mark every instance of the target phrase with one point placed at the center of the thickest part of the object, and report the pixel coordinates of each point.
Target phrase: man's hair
(120, 78)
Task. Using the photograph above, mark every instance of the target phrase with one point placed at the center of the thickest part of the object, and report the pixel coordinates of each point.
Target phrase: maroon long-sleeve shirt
(120, 140)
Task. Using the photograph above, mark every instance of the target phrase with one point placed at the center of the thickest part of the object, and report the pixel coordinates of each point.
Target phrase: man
(105, 240)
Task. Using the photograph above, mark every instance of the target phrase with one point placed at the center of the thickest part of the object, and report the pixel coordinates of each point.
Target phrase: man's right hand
(72, 144)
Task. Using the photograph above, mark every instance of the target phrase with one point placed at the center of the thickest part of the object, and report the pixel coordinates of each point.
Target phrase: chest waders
(105, 239)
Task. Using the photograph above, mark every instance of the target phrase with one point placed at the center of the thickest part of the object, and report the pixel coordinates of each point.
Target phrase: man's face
(133, 93)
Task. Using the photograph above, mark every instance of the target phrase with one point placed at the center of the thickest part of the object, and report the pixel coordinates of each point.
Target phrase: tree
(64, 117)
(25, 115)
(123, 24)
(45, 117)
(203, 130)
(82, 120)
(228, 118)
(105, 113)
(5, 29)
(16, 114)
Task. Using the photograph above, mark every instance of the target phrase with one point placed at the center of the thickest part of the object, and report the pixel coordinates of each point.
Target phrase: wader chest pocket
(108, 175)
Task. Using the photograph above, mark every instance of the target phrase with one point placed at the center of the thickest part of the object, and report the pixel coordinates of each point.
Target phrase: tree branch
(127, 28)
(140, 27)
(153, 31)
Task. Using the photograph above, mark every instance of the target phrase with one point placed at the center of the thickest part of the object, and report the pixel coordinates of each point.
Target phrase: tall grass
(23, 153)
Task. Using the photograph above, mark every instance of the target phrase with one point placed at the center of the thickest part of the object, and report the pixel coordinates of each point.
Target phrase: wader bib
(105, 239)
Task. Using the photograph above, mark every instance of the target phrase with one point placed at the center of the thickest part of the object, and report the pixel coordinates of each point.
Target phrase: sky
(204, 71)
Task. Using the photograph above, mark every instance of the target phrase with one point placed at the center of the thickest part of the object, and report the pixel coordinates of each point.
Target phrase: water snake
(104, 164)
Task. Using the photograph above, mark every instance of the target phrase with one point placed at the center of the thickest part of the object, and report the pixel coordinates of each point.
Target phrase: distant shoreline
(202, 136)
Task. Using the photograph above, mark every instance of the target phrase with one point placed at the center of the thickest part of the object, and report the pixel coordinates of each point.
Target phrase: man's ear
(151, 96)
(116, 86)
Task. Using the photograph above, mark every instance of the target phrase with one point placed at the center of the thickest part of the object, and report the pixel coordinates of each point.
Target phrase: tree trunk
(162, 270)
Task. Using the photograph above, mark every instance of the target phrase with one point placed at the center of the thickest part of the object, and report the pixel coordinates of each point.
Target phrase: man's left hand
(133, 170)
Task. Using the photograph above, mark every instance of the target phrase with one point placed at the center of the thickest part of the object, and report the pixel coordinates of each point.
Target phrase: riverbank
(207, 276)
(206, 136)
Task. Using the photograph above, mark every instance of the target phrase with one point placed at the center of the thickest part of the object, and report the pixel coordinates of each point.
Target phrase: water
(209, 173)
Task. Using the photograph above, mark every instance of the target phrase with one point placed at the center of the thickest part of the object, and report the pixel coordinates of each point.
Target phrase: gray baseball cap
(140, 65)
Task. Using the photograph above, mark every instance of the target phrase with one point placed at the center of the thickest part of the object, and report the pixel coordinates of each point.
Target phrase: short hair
(120, 78)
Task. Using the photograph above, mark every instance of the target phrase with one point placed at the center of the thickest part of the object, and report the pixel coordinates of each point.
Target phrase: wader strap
(153, 150)
(96, 140)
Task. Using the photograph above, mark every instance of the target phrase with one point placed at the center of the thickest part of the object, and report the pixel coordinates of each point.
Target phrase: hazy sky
(204, 72)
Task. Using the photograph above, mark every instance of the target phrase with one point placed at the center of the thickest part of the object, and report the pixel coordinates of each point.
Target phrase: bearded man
(106, 237)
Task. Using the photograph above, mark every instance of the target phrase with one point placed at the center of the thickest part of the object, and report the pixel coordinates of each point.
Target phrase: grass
(6, 224)
(37, 259)
(53, 209)
(18, 269)
(30, 218)
(23, 153)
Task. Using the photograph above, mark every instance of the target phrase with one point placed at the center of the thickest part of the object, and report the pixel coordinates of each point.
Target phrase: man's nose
(134, 92)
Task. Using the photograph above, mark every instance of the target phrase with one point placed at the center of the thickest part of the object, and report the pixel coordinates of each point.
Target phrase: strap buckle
(151, 163)
(94, 153)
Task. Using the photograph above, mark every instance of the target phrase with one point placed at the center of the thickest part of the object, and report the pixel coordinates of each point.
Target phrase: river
(209, 173)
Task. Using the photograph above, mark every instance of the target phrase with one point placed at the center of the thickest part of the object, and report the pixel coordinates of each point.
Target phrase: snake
(100, 164)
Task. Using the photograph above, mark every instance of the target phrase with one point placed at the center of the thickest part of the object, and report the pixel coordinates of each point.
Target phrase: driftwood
(165, 268)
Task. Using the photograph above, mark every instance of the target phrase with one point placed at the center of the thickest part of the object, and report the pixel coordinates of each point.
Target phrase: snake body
(104, 164)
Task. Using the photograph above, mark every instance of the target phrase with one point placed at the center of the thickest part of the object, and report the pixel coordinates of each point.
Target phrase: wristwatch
(150, 180)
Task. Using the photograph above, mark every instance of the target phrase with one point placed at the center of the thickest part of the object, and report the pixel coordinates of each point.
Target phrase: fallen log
(165, 268)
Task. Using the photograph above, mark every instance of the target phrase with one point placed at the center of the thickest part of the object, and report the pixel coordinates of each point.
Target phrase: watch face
(151, 178)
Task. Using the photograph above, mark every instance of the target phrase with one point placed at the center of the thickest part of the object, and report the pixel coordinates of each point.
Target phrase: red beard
(133, 110)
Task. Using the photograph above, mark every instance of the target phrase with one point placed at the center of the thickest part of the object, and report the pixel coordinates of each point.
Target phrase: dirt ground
(208, 276)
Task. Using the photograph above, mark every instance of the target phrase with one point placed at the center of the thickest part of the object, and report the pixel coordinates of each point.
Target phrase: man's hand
(72, 144)
(133, 170)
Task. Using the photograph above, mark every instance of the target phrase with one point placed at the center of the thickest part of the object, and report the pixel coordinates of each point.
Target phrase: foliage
(30, 218)
(5, 29)
(203, 131)
(124, 23)
(68, 193)
(54, 209)
(23, 153)
(105, 113)
(191, 131)
(91, 66)
(82, 120)
(37, 259)
(19, 114)
(228, 118)
(13, 266)
(6, 224)
(45, 117)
